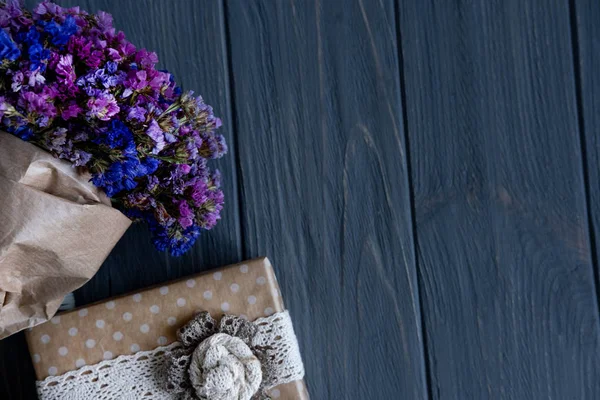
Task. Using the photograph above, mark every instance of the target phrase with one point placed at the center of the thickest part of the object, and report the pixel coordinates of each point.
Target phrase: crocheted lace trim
(144, 375)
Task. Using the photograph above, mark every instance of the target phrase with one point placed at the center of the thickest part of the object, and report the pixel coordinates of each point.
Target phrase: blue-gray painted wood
(324, 187)
(504, 257)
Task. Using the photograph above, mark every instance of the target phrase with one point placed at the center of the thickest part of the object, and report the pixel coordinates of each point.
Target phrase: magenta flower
(72, 110)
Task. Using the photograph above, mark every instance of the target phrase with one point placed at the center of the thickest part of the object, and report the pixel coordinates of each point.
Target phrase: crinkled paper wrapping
(56, 230)
(150, 318)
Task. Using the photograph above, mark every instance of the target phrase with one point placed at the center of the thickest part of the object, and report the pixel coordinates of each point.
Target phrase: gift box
(150, 318)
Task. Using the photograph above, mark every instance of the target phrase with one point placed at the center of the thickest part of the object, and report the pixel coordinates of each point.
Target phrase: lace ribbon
(145, 374)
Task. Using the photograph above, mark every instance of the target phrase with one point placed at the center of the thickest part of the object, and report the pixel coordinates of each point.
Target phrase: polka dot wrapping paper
(150, 318)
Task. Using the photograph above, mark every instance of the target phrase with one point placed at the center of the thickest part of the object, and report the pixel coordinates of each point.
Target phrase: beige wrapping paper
(150, 318)
(56, 230)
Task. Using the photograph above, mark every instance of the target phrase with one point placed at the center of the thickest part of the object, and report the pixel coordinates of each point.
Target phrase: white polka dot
(154, 309)
(275, 293)
(275, 393)
(63, 351)
(217, 276)
(144, 328)
(137, 297)
(171, 321)
(208, 295)
(117, 336)
(45, 339)
(127, 316)
(52, 371)
(55, 320)
(269, 311)
(73, 331)
(225, 306)
(164, 290)
(79, 363)
(110, 305)
(100, 323)
(37, 358)
(190, 283)
(261, 280)
(234, 287)
(244, 316)
(251, 299)
(162, 341)
(90, 343)
(134, 348)
(180, 302)
(243, 269)
(107, 355)
(83, 312)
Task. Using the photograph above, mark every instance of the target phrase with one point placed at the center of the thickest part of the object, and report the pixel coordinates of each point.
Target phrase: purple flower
(72, 110)
(157, 136)
(186, 215)
(17, 81)
(105, 23)
(11, 15)
(38, 103)
(65, 70)
(103, 107)
(136, 113)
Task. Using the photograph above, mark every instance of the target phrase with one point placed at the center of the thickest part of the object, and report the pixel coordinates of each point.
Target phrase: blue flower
(177, 242)
(148, 166)
(119, 176)
(31, 37)
(111, 67)
(38, 56)
(118, 136)
(60, 34)
(8, 48)
(23, 131)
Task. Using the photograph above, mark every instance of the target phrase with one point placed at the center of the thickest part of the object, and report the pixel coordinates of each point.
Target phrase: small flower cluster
(73, 85)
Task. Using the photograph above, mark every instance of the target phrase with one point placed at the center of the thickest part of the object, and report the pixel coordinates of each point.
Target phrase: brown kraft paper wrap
(150, 318)
(56, 230)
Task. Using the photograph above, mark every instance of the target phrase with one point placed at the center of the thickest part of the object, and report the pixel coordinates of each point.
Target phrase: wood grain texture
(585, 15)
(324, 187)
(503, 245)
(189, 38)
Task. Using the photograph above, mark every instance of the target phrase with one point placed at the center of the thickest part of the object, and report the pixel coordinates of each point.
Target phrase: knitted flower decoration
(216, 361)
(234, 359)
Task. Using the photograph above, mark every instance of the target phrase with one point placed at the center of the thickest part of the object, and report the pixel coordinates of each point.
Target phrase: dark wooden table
(423, 174)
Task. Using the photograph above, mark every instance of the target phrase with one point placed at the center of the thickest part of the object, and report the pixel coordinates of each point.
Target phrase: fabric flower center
(224, 368)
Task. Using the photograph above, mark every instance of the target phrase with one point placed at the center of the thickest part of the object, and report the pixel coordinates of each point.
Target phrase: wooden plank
(324, 187)
(585, 15)
(503, 243)
(189, 39)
